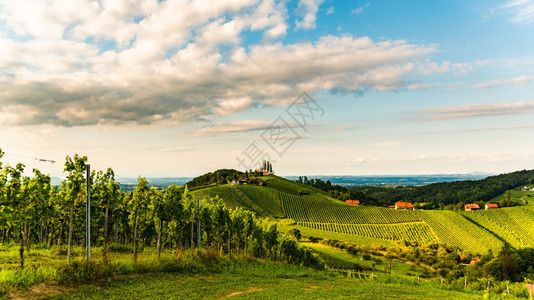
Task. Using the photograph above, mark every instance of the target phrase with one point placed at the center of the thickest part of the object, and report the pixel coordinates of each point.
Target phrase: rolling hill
(316, 214)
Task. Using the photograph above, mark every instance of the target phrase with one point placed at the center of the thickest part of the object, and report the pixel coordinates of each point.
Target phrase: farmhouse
(525, 188)
(352, 202)
(491, 205)
(403, 205)
(473, 206)
(474, 261)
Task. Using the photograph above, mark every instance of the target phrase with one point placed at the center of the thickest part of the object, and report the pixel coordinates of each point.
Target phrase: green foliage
(218, 177)
(120, 248)
(448, 193)
(513, 220)
(455, 230)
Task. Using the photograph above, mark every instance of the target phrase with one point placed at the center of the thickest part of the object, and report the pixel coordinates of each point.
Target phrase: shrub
(120, 248)
(83, 272)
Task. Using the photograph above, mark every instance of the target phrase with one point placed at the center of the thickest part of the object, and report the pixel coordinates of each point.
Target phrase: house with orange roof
(352, 202)
(403, 205)
(491, 205)
(472, 206)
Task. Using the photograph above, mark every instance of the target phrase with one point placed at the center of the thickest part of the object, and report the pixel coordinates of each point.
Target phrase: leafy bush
(84, 272)
(120, 248)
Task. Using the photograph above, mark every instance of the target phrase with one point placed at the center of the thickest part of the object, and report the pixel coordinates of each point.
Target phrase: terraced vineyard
(500, 231)
(416, 231)
(232, 197)
(266, 198)
(316, 214)
(455, 230)
(321, 210)
(517, 220)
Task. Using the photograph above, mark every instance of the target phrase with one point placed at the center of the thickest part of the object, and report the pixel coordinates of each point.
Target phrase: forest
(445, 193)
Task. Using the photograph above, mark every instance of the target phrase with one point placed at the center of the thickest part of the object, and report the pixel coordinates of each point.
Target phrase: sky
(179, 88)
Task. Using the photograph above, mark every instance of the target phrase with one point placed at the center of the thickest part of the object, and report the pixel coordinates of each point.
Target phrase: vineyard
(455, 230)
(319, 209)
(476, 232)
(417, 231)
(320, 213)
(498, 230)
(516, 220)
(316, 214)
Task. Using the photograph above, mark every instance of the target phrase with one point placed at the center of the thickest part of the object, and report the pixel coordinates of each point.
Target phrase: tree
(38, 188)
(15, 204)
(166, 206)
(271, 239)
(107, 191)
(219, 220)
(294, 232)
(74, 188)
(138, 204)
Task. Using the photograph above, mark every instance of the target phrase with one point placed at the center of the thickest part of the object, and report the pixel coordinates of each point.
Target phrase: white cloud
(330, 10)
(221, 128)
(419, 86)
(519, 81)
(118, 62)
(477, 110)
(308, 10)
(359, 10)
(520, 10)
(233, 105)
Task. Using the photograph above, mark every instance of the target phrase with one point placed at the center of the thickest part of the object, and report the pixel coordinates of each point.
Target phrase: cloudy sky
(179, 88)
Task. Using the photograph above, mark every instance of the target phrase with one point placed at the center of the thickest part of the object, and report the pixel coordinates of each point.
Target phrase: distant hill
(393, 180)
(446, 193)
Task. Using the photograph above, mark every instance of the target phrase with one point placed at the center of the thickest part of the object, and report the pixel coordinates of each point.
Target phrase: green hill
(316, 214)
(447, 193)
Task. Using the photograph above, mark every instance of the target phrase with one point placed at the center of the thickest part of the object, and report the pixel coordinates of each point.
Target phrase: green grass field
(258, 280)
(336, 258)
(517, 194)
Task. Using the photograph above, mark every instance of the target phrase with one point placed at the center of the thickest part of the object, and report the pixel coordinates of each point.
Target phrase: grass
(337, 258)
(517, 195)
(287, 224)
(257, 280)
(265, 197)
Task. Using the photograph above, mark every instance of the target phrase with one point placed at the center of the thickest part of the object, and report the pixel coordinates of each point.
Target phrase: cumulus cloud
(308, 10)
(146, 62)
(229, 106)
(476, 110)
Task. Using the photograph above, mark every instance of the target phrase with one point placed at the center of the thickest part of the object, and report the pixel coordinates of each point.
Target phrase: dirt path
(242, 292)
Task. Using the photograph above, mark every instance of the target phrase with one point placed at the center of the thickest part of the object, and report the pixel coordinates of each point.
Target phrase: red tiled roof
(472, 206)
(403, 205)
(492, 205)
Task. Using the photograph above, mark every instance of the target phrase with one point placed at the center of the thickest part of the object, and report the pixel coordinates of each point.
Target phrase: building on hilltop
(472, 206)
(352, 202)
(403, 205)
(491, 205)
(266, 168)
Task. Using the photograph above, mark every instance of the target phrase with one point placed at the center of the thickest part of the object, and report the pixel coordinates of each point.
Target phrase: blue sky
(179, 88)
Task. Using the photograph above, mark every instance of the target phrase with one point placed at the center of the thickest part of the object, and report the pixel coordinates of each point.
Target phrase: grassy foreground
(256, 280)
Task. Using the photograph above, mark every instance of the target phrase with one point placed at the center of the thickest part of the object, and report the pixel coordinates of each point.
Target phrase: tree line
(334, 190)
(33, 211)
(446, 193)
